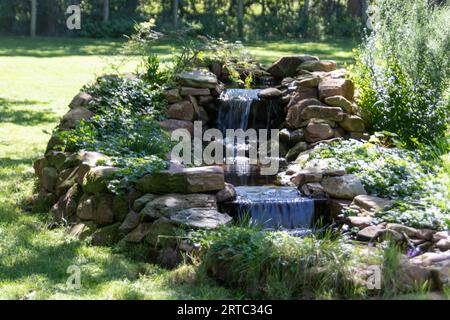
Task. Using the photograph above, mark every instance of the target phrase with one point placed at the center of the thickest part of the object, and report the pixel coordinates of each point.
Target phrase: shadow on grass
(24, 117)
(44, 47)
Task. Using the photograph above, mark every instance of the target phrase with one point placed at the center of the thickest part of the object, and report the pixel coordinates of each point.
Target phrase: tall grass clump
(402, 70)
(277, 265)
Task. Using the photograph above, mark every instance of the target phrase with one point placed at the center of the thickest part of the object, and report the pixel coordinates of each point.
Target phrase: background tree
(256, 19)
(33, 18)
(105, 10)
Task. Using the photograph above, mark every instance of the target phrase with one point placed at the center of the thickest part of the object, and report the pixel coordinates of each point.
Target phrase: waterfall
(274, 207)
(234, 113)
(267, 205)
(235, 108)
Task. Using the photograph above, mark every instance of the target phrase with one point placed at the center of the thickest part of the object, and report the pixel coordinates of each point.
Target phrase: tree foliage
(218, 18)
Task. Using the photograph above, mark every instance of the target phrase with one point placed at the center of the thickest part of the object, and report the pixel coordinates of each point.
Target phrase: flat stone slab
(343, 187)
(198, 79)
(201, 218)
(372, 203)
(170, 204)
(186, 180)
(269, 93)
(369, 233)
(287, 66)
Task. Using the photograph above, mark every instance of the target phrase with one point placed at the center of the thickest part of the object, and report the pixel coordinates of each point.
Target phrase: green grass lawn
(38, 78)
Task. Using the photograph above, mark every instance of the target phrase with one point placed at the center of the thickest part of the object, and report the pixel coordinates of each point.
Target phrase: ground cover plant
(420, 187)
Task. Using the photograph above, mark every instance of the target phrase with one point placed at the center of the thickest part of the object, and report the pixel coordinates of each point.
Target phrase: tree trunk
(240, 18)
(305, 18)
(364, 7)
(105, 10)
(176, 5)
(33, 18)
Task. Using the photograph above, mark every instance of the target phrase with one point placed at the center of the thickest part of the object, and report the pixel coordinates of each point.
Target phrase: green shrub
(402, 70)
(115, 28)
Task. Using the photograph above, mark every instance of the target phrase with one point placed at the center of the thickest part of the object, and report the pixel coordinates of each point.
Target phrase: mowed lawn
(38, 78)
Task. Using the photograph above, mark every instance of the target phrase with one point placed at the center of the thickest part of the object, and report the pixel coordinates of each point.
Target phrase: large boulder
(307, 92)
(343, 187)
(86, 207)
(169, 204)
(198, 79)
(309, 81)
(295, 150)
(106, 236)
(49, 178)
(320, 112)
(130, 222)
(139, 233)
(140, 202)
(182, 110)
(306, 176)
(162, 234)
(98, 208)
(296, 136)
(226, 194)
(201, 218)
(83, 229)
(173, 95)
(336, 87)
(87, 160)
(38, 166)
(317, 131)
(188, 91)
(353, 123)
(43, 201)
(436, 265)
(104, 213)
(56, 159)
(269, 93)
(295, 108)
(370, 233)
(372, 203)
(66, 206)
(186, 180)
(80, 100)
(322, 65)
(96, 179)
(173, 124)
(287, 66)
(66, 179)
(341, 102)
(71, 118)
(200, 113)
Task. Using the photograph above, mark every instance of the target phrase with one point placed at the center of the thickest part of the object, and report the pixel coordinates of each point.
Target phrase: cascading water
(267, 205)
(275, 207)
(235, 108)
(234, 113)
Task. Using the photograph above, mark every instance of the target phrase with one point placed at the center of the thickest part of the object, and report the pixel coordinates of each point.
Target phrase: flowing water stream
(257, 197)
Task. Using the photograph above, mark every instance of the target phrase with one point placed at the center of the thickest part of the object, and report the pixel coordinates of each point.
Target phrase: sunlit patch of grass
(339, 50)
